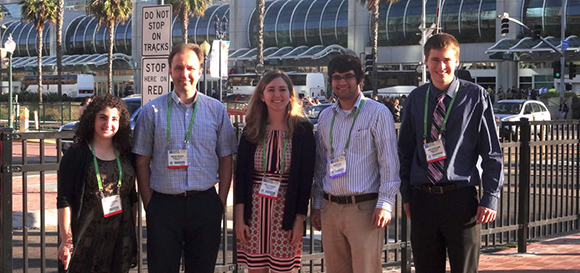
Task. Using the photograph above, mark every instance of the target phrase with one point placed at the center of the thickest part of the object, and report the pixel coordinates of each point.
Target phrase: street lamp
(220, 33)
(205, 50)
(10, 46)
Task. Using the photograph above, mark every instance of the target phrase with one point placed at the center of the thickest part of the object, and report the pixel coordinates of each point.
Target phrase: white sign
(215, 59)
(156, 30)
(155, 81)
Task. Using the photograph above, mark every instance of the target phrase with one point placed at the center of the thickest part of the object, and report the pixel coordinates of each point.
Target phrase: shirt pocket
(361, 142)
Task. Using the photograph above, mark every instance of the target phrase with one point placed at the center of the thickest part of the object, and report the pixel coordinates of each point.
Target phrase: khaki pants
(351, 243)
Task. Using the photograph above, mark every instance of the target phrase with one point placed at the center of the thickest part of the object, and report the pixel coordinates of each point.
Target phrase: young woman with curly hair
(96, 192)
(273, 178)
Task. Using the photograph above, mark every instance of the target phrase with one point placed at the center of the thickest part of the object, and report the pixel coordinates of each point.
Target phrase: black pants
(189, 225)
(445, 224)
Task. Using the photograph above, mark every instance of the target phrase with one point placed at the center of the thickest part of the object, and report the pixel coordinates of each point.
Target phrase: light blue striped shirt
(212, 137)
(372, 161)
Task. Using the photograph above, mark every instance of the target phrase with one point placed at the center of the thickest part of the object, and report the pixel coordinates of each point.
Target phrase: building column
(358, 27)
(240, 12)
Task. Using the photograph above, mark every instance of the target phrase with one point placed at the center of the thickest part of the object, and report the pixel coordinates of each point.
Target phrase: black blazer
(301, 174)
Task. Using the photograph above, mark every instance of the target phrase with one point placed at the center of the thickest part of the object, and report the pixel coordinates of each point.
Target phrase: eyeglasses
(346, 77)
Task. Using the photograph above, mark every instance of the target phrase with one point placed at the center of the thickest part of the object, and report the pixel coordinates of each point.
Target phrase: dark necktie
(435, 169)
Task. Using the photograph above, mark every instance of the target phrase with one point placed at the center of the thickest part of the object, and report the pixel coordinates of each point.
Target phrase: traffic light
(572, 70)
(505, 24)
(369, 61)
(557, 70)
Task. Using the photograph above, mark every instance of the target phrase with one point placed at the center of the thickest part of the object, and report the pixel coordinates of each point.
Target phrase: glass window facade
(315, 22)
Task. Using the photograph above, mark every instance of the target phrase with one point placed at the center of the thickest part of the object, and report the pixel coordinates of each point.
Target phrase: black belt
(437, 189)
(185, 194)
(351, 199)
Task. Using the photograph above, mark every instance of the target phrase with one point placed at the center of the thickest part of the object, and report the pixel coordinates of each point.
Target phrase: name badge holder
(337, 167)
(177, 158)
(270, 187)
(111, 204)
(435, 150)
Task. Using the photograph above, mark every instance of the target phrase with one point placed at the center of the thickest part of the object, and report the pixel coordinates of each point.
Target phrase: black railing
(540, 199)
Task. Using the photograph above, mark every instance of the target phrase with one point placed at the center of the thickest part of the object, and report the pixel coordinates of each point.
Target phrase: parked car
(514, 110)
(133, 104)
(313, 112)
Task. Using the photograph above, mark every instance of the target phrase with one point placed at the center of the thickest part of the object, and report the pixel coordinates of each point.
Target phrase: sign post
(156, 47)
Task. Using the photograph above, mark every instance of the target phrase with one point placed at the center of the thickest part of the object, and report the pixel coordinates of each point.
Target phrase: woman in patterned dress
(273, 178)
(96, 192)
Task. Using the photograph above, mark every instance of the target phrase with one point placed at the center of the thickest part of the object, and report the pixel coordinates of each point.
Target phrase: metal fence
(540, 199)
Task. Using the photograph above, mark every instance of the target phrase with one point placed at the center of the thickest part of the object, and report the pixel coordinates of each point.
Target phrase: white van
(308, 84)
(393, 91)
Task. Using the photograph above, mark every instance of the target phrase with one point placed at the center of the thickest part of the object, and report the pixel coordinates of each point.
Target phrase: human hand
(297, 231)
(242, 231)
(315, 220)
(65, 252)
(485, 215)
(407, 210)
(381, 218)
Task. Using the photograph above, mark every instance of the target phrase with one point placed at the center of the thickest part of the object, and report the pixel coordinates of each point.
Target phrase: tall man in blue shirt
(447, 125)
(183, 140)
(356, 174)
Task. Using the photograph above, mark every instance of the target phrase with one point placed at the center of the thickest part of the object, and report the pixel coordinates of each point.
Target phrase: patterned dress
(269, 245)
(106, 244)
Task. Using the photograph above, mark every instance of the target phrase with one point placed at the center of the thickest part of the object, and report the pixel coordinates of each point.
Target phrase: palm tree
(60, 18)
(39, 12)
(260, 10)
(109, 13)
(373, 7)
(186, 8)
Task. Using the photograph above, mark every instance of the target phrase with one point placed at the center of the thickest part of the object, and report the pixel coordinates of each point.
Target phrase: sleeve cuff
(317, 203)
(383, 204)
(489, 201)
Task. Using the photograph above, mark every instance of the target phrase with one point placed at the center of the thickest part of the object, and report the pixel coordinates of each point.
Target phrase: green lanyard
(170, 106)
(99, 182)
(446, 114)
(264, 152)
(349, 133)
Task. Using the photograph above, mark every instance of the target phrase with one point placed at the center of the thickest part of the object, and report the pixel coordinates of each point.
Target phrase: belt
(187, 193)
(439, 189)
(351, 199)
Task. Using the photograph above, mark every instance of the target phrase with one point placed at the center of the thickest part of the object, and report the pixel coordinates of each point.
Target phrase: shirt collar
(336, 106)
(450, 90)
(177, 101)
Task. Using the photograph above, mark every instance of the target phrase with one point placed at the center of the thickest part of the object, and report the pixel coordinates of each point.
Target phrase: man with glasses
(356, 175)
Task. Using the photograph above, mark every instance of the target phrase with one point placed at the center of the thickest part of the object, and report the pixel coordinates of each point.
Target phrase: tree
(186, 8)
(39, 12)
(373, 7)
(109, 13)
(260, 10)
(59, 21)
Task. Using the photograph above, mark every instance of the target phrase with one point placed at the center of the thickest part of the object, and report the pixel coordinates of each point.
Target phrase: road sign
(565, 45)
(156, 30)
(155, 81)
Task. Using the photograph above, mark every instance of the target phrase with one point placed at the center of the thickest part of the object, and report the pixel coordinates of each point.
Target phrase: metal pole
(204, 73)
(524, 186)
(563, 57)
(220, 70)
(423, 41)
(10, 121)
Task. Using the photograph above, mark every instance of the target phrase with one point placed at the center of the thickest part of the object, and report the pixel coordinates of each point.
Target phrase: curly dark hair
(86, 128)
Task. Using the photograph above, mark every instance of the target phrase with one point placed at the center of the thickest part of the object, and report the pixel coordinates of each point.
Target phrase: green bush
(557, 94)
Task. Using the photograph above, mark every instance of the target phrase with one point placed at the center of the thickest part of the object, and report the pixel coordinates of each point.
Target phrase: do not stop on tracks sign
(155, 80)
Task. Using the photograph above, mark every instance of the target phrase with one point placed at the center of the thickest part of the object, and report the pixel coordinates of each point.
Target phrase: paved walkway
(560, 254)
